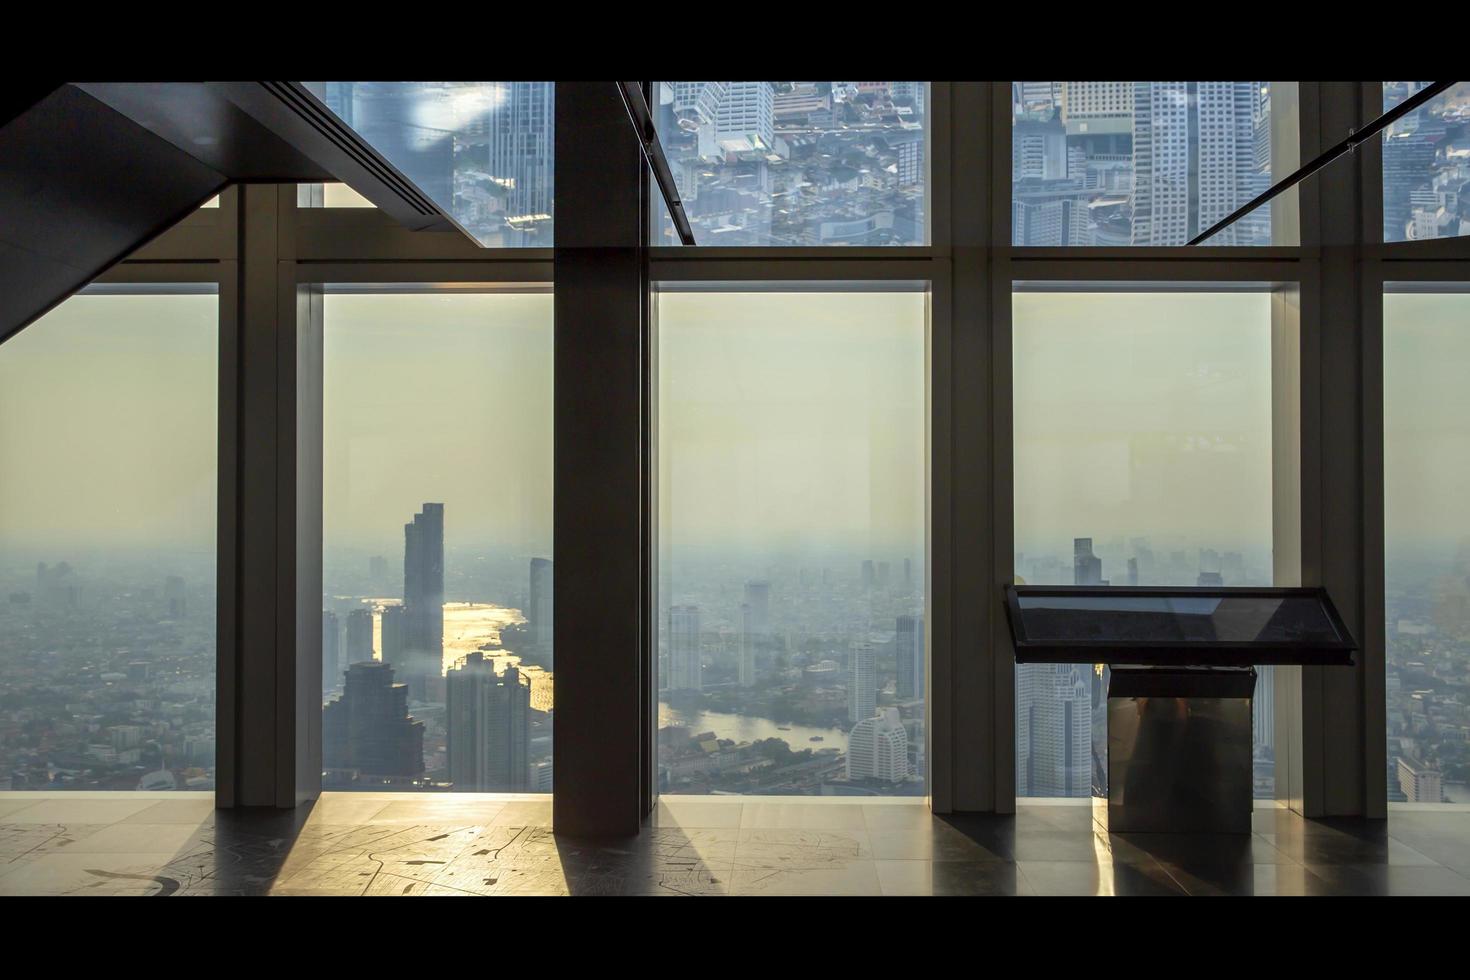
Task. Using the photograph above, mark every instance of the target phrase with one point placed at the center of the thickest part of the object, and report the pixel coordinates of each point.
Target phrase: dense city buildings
(1426, 165)
(1138, 163)
(798, 163)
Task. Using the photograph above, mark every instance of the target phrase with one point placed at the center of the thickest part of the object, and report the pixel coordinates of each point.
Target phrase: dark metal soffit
(653, 152)
(1353, 141)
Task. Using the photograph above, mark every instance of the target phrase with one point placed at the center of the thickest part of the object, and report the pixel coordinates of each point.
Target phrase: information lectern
(1181, 685)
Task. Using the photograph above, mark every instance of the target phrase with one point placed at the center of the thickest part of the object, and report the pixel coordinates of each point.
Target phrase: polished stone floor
(482, 844)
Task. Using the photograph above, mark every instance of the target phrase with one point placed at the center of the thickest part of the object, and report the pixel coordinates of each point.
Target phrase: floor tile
(937, 842)
(63, 810)
(1082, 878)
(803, 816)
(950, 878)
(673, 812)
(197, 813)
(853, 878)
(1377, 879)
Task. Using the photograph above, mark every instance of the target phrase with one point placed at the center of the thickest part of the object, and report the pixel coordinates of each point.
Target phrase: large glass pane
(436, 571)
(1426, 165)
(798, 163)
(482, 151)
(1426, 483)
(108, 479)
(1142, 457)
(1138, 163)
(791, 556)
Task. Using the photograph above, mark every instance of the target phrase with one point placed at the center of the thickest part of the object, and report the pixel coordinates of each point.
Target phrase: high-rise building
(747, 646)
(1194, 158)
(390, 629)
(539, 616)
(1054, 730)
(878, 749)
(1086, 567)
(331, 650)
(747, 112)
(909, 656)
(1133, 573)
(862, 682)
(423, 598)
(758, 598)
(176, 597)
(870, 576)
(1263, 720)
(686, 671)
(1419, 782)
(520, 135)
(359, 636)
(368, 735)
(488, 727)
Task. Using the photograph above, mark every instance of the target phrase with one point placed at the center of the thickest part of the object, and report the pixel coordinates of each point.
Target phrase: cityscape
(1061, 709)
(1138, 163)
(797, 163)
(1426, 165)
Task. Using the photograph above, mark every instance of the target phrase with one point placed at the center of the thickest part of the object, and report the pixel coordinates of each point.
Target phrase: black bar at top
(1353, 140)
(653, 151)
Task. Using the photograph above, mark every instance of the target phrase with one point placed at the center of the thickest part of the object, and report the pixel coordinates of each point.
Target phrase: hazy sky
(1142, 414)
(792, 422)
(1426, 420)
(108, 424)
(442, 397)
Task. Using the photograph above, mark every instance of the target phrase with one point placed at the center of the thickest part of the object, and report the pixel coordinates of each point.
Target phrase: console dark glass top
(1184, 627)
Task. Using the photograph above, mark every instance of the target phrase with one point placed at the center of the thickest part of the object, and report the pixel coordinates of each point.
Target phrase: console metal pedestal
(1179, 749)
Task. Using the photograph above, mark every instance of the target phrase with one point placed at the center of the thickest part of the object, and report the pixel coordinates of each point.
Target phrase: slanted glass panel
(1426, 165)
(797, 163)
(482, 151)
(1138, 163)
(108, 476)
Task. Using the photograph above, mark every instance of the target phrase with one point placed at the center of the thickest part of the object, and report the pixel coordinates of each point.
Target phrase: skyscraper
(391, 635)
(539, 616)
(367, 733)
(331, 650)
(747, 647)
(1054, 730)
(862, 682)
(1086, 567)
(878, 748)
(488, 726)
(747, 111)
(758, 598)
(909, 656)
(359, 636)
(423, 597)
(686, 672)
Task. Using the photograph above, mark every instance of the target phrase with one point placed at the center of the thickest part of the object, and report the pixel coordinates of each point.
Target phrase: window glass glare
(1142, 426)
(107, 545)
(797, 163)
(436, 572)
(1426, 165)
(791, 556)
(1138, 163)
(482, 151)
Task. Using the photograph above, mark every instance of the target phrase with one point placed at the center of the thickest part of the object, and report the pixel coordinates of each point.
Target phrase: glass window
(1138, 163)
(1426, 165)
(108, 431)
(1426, 481)
(482, 151)
(797, 163)
(436, 572)
(1142, 457)
(791, 557)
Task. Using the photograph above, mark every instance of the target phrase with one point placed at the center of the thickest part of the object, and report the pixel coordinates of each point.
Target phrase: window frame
(265, 255)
